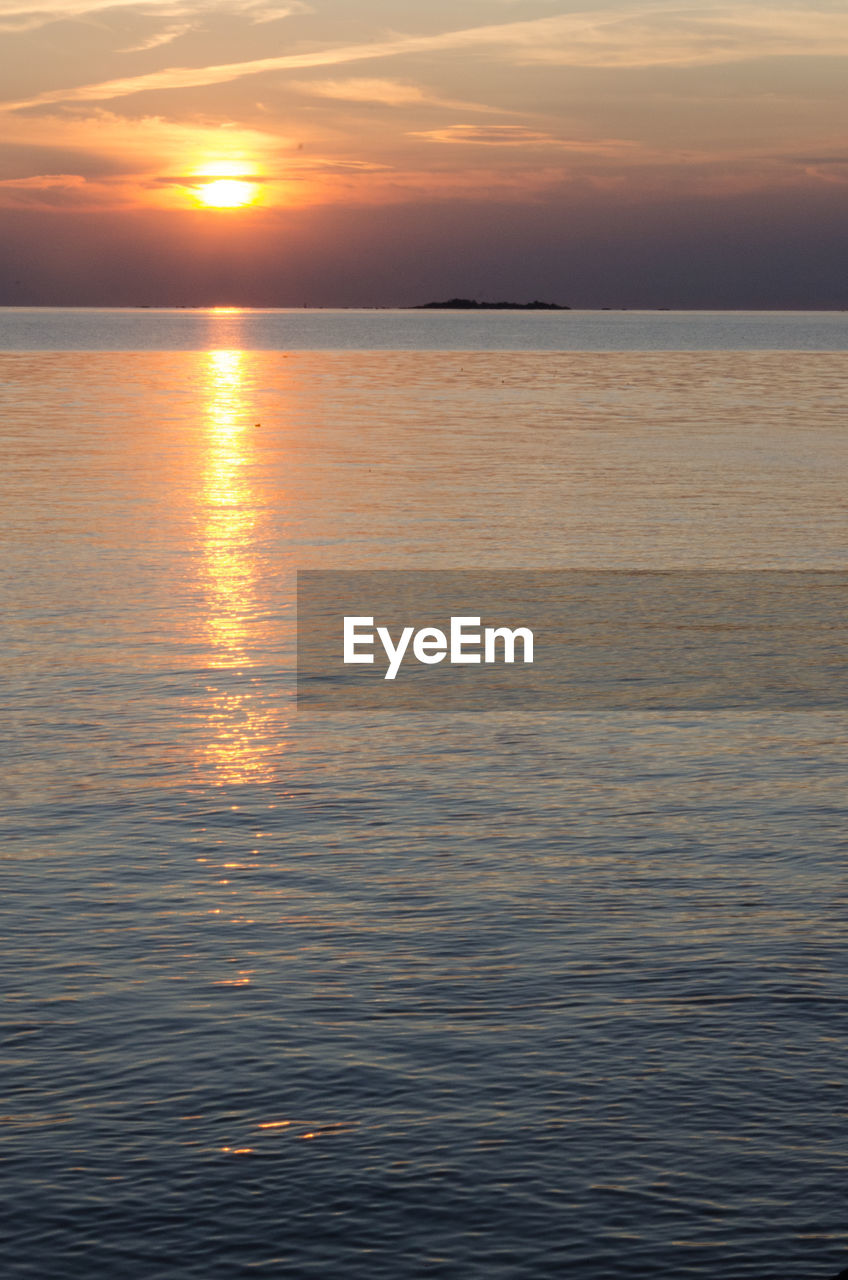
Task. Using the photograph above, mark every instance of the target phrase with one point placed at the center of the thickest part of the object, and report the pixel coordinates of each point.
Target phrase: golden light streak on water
(229, 508)
(241, 739)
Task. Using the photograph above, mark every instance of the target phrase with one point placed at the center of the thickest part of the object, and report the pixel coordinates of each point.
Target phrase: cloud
(204, 179)
(389, 93)
(34, 146)
(166, 36)
(817, 160)
(503, 135)
(829, 168)
(339, 166)
(44, 182)
(260, 12)
(223, 73)
(17, 17)
(43, 190)
(495, 135)
(671, 36)
(635, 37)
(509, 135)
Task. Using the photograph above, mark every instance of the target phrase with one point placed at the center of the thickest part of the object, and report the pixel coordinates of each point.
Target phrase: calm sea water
(151, 329)
(505, 996)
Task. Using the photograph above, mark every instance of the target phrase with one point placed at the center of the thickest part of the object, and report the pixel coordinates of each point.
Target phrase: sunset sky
(391, 151)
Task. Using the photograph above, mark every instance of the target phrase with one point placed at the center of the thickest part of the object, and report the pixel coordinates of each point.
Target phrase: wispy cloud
(388, 93)
(828, 167)
(496, 135)
(166, 36)
(44, 182)
(507, 135)
(391, 93)
(656, 36)
(632, 37)
(222, 73)
(17, 17)
(43, 191)
(202, 179)
(261, 11)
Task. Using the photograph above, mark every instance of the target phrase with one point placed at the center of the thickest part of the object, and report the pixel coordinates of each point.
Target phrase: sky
(622, 153)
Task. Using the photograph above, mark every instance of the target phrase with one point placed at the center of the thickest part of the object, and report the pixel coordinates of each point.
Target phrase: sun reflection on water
(229, 507)
(243, 735)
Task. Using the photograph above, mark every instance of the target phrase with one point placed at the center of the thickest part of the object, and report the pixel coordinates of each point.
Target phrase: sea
(404, 994)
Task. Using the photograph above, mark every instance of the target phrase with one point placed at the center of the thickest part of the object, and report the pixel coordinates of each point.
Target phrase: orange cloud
(390, 93)
(513, 135)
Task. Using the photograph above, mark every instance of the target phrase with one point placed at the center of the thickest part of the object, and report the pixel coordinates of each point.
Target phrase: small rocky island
(469, 304)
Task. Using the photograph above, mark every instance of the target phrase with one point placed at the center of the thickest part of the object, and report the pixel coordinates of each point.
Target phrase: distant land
(469, 304)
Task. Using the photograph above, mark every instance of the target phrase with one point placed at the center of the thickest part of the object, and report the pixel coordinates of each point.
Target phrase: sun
(227, 193)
